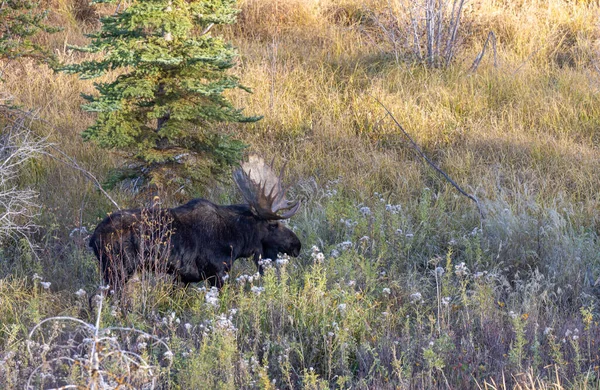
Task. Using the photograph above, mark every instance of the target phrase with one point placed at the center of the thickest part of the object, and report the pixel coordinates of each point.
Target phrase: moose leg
(216, 272)
(223, 272)
(269, 253)
(257, 258)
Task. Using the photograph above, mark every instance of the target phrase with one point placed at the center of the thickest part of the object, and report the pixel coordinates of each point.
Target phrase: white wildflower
(365, 211)
(386, 291)
(393, 208)
(409, 235)
(257, 290)
(416, 297)
(461, 270)
(446, 301)
(348, 223)
(281, 261)
(188, 326)
(80, 293)
(440, 271)
(548, 330)
(212, 296)
(225, 323)
(45, 285)
(168, 355)
(344, 246)
(36, 277)
(334, 253)
(342, 307)
(265, 263)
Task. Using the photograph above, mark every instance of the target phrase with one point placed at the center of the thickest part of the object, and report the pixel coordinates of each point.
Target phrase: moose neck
(248, 229)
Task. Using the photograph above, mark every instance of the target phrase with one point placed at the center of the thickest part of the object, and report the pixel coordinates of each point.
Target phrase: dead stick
(424, 156)
(490, 38)
(65, 159)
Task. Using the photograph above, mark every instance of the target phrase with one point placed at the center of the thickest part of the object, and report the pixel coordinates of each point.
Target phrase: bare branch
(431, 163)
(18, 206)
(95, 355)
(58, 155)
(490, 38)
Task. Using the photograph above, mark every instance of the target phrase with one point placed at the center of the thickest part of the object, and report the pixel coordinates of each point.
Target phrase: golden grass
(317, 75)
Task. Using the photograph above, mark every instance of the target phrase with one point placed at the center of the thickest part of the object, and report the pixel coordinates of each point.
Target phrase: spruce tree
(20, 20)
(161, 111)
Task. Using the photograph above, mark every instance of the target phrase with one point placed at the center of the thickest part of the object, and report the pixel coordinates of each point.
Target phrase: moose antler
(262, 189)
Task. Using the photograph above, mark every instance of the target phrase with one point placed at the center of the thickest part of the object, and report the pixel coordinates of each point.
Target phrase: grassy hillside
(400, 283)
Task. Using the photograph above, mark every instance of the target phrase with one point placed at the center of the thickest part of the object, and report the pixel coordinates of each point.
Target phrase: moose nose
(296, 251)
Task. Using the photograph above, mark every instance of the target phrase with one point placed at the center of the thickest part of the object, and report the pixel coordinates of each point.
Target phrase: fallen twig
(491, 37)
(431, 163)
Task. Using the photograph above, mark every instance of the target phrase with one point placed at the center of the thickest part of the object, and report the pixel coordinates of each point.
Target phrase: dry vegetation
(408, 287)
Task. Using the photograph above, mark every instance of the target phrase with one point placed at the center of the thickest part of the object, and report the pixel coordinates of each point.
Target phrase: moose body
(198, 240)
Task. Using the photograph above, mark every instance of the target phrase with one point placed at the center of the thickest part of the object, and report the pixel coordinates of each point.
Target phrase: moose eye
(272, 226)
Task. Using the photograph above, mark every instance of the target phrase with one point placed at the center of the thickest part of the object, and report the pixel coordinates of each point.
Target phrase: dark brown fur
(196, 241)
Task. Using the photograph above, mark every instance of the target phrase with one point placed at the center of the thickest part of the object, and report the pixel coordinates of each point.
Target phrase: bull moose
(200, 240)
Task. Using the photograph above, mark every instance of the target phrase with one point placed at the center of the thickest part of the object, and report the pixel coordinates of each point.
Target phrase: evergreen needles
(161, 109)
